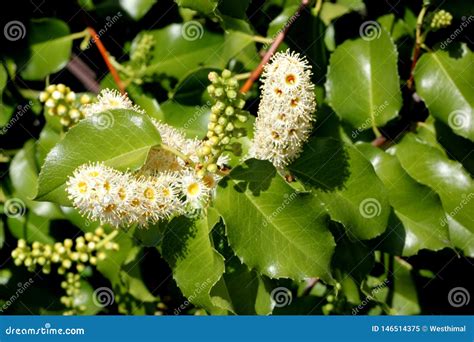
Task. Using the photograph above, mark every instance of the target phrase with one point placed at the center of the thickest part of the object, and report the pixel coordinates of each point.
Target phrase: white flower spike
(286, 110)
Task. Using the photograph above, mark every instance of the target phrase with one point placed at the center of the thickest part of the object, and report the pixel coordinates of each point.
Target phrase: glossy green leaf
(445, 84)
(347, 185)
(203, 6)
(30, 227)
(189, 46)
(428, 165)
(137, 8)
(24, 177)
(196, 265)
(271, 228)
(363, 83)
(190, 119)
(419, 210)
(119, 138)
(50, 49)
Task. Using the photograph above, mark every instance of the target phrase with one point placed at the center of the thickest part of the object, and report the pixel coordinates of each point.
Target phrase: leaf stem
(108, 238)
(317, 7)
(105, 56)
(419, 40)
(263, 40)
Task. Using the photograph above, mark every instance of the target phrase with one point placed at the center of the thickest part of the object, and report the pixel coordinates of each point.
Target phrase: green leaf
(24, 178)
(347, 185)
(429, 166)
(137, 8)
(189, 90)
(120, 138)
(191, 46)
(192, 120)
(363, 83)
(30, 227)
(86, 297)
(132, 277)
(421, 216)
(203, 6)
(271, 227)
(445, 84)
(50, 49)
(196, 265)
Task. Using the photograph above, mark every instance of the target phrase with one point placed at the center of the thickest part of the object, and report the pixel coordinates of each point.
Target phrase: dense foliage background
(385, 182)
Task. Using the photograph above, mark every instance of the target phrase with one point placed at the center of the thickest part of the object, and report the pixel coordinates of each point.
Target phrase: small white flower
(110, 99)
(194, 189)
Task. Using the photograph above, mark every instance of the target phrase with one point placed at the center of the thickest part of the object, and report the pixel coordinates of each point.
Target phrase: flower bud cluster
(67, 255)
(62, 102)
(72, 287)
(285, 113)
(226, 114)
(441, 19)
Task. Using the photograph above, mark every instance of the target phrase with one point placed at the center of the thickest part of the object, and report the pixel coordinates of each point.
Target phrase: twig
(418, 44)
(276, 43)
(95, 37)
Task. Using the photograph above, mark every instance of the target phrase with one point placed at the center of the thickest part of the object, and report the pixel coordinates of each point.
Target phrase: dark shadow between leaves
(175, 241)
(324, 164)
(254, 175)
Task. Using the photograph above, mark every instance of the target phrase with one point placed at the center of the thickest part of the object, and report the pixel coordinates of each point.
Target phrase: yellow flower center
(193, 189)
(149, 193)
(290, 79)
(82, 186)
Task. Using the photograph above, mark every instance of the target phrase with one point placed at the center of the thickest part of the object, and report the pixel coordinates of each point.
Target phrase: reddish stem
(103, 51)
(416, 54)
(276, 43)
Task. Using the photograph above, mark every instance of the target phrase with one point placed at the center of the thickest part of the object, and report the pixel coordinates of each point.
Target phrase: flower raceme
(165, 186)
(285, 113)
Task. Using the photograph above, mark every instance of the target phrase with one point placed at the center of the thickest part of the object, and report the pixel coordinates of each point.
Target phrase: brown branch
(276, 43)
(103, 51)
